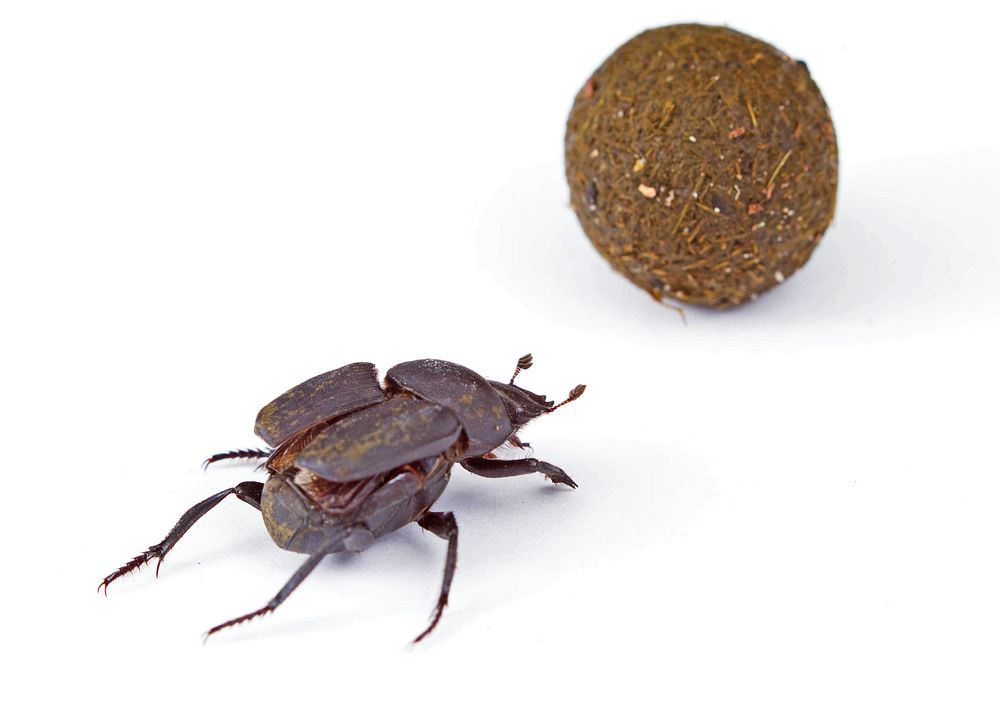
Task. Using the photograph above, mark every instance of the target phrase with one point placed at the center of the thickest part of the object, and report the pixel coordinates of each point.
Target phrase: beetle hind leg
(445, 527)
(248, 491)
(300, 574)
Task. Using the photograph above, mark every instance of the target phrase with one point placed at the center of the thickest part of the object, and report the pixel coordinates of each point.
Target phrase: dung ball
(702, 164)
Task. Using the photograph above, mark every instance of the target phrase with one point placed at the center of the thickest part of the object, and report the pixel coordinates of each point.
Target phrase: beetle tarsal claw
(154, 552)
(434, 619)
(235, 622)
(555, 474)
(565, 480)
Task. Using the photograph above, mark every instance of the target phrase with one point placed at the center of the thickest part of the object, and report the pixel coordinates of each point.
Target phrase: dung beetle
(352, 459)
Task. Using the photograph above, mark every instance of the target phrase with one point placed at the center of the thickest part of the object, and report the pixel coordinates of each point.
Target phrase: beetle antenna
(573, 394)
(523, 363)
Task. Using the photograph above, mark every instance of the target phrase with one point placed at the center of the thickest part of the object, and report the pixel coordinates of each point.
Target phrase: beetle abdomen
(404, 496)
(296, 523)
(314, 513)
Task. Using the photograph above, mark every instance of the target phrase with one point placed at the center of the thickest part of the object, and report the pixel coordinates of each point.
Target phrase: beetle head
(522, 405)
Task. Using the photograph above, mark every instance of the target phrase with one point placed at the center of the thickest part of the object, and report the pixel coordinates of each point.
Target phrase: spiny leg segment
(445, 527)
(237, 454)
(248, 491)
(300, 574)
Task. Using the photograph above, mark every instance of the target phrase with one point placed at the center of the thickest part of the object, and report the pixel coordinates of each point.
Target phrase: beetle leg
(444, 526)
(300, 574)
(502, 468)
(248, 491)
(239, 454)
(513, 440)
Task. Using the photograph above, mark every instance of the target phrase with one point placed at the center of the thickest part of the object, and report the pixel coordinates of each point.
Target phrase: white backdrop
(792, 504)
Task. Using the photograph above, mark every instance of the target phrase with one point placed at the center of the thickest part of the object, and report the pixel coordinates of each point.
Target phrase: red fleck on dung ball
(702, 164)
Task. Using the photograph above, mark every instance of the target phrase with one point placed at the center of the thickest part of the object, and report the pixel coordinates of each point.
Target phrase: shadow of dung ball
(702, 164)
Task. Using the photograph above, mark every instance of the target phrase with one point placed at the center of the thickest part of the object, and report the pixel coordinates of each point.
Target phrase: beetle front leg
(248, 491)
(503, 468)
(445, 527)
